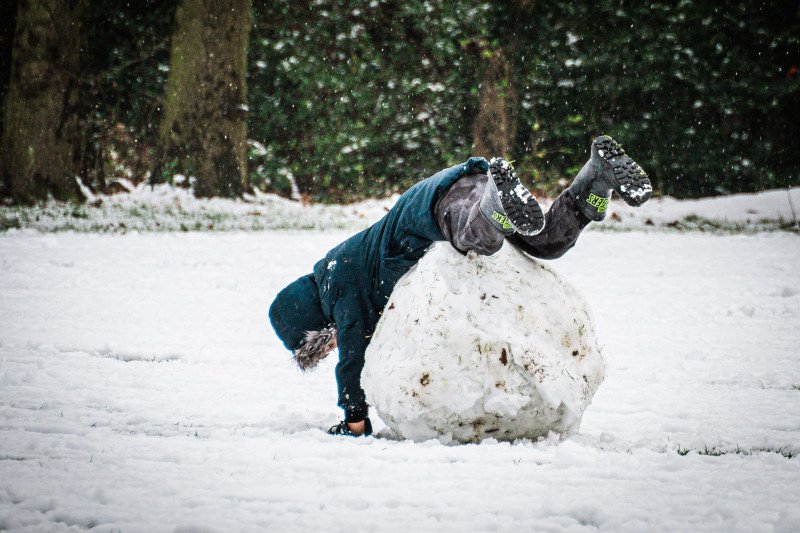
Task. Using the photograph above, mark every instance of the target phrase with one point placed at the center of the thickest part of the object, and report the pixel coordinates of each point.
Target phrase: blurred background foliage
(358, 98)
(126, 64)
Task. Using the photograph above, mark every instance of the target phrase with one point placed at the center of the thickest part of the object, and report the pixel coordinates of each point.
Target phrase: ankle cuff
(492, 209)
(591, 206)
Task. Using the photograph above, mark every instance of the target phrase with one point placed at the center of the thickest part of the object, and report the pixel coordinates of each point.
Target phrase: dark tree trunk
(204, 127)
(8, 23)
(41, 141)
(495, 126)
(494, 131)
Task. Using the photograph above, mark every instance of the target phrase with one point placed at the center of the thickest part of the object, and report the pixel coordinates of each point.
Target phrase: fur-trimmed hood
(296, 311)
(317, 346)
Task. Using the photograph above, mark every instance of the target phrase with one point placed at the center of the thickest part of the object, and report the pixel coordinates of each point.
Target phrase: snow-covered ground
(141, 389)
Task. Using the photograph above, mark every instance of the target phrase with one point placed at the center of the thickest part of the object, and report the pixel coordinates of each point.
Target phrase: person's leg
(466, 228)
(563, 224)
(459, 215)
(608, 169)
(507, 201)
(478, 210)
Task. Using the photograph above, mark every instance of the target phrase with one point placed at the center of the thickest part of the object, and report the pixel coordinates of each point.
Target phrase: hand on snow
(356, 428)
(352, 429)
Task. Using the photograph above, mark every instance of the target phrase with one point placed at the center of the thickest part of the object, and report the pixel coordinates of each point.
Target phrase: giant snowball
(475, 347)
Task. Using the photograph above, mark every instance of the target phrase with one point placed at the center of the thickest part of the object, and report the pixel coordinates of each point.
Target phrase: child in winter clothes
(475, 206)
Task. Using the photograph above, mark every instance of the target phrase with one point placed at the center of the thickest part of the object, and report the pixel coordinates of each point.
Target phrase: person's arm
(352, 340)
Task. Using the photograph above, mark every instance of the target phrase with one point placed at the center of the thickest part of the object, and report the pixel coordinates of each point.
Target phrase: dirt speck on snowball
(470, 348)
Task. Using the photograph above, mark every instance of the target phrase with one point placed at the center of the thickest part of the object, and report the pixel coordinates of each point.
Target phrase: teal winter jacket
(355, 279)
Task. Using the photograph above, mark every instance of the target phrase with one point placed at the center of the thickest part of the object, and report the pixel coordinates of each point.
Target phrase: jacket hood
(296, 311)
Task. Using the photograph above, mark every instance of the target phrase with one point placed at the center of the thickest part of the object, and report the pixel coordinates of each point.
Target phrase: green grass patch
(713, 451)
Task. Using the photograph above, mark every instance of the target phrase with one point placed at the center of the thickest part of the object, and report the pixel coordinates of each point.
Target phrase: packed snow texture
(142, 389)
(477, 347)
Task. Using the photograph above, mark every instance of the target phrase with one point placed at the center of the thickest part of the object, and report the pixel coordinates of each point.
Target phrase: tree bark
(41, 141)
(204, 127)
(495, 126)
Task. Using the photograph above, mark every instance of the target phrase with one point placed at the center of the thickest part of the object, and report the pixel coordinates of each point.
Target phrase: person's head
(296, 316)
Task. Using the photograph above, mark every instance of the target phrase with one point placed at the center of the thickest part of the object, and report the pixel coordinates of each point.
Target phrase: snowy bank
(168, 208)
(768, 210)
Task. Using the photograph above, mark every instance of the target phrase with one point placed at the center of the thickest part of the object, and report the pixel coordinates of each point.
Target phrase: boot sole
(630, 182)
(521, 207)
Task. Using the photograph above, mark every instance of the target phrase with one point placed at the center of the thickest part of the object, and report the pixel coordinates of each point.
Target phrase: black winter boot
(342, 429)
(507, 204)
(609, 169)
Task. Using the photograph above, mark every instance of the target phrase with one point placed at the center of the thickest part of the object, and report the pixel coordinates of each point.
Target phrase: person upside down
(476, 206)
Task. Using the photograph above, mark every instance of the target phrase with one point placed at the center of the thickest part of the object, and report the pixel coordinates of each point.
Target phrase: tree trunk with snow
(204, 126)
(39, 154)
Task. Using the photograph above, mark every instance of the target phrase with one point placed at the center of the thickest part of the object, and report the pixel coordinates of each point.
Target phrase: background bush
(357, 98)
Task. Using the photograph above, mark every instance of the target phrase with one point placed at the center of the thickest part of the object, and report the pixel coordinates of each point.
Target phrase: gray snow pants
(463, 225)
